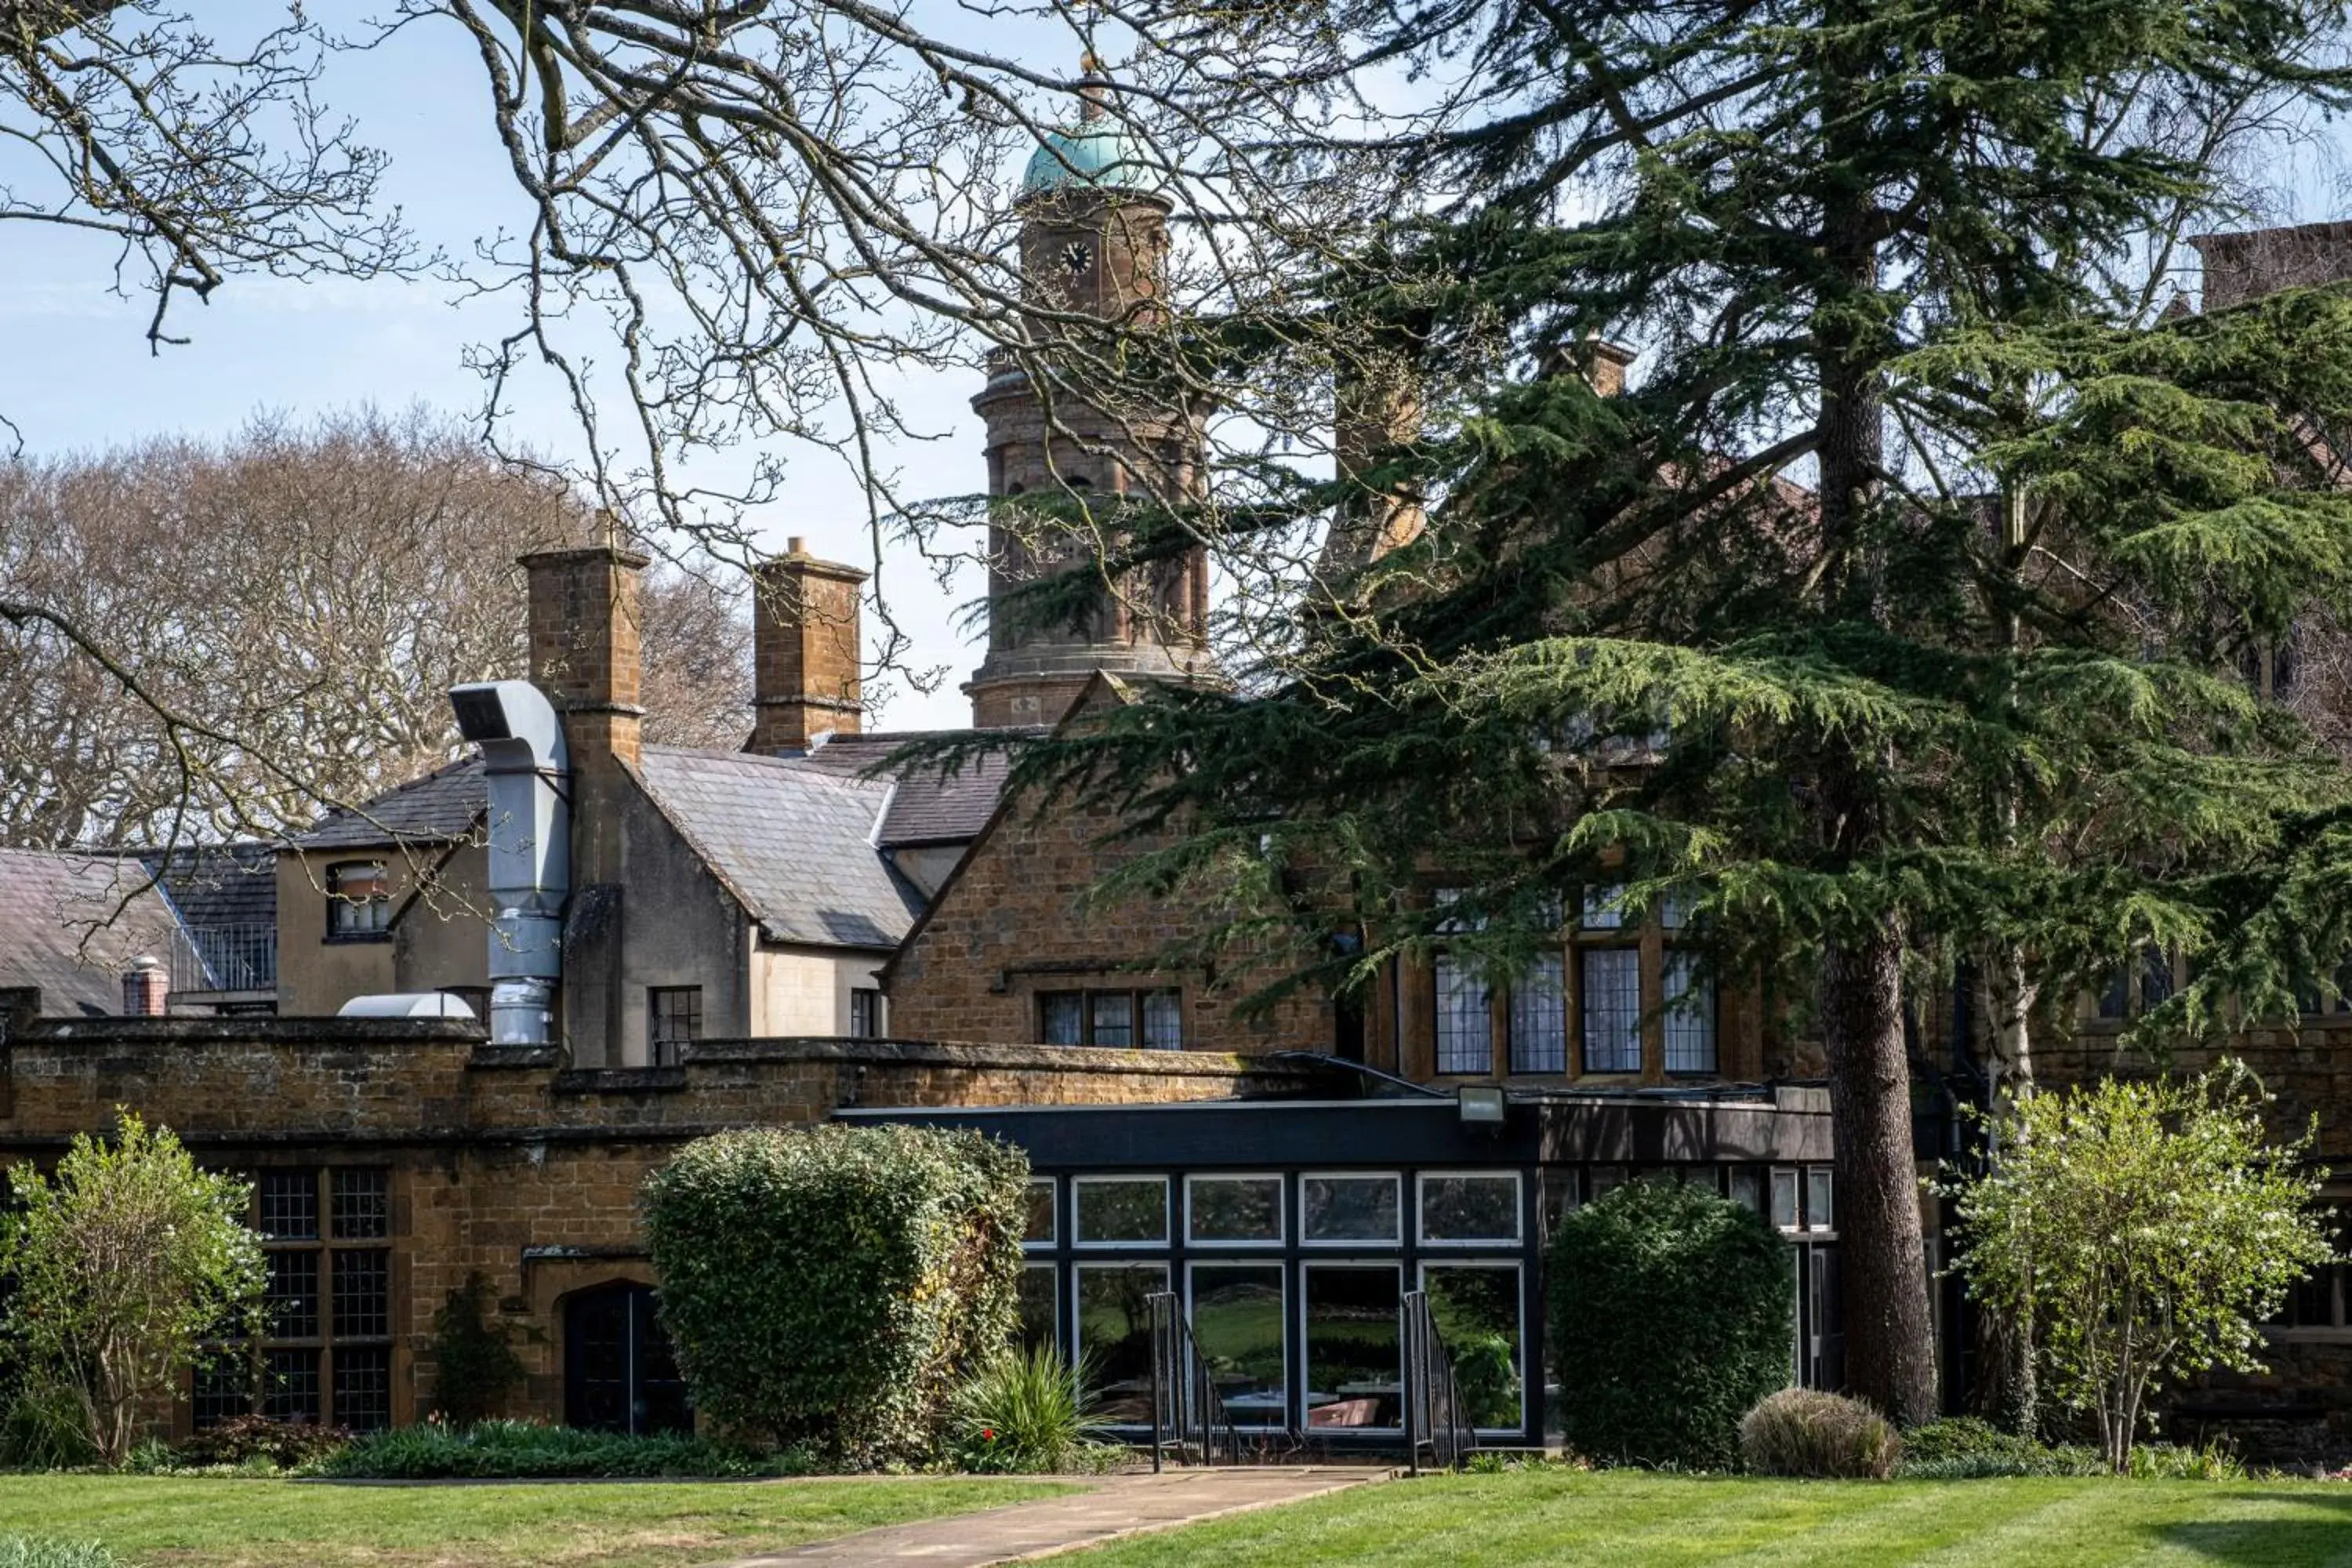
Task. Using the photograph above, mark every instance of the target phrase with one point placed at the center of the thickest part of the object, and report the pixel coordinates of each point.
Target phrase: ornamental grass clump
(1675, 1311)
(1827, 1436)
(31, 1551)
(828, 1287)
(1024, 1413)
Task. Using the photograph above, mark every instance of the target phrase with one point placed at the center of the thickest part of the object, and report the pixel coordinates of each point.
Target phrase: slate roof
(443, 805)
(932, 806)
(59, 931)
(217, 885)
(796, 845)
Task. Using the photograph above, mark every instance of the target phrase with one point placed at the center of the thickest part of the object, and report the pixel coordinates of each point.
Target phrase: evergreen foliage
(525, 1450)
(1891, 618)
(827, 1288)
(124, 1263)
(2150, 1227)
(475, 1367)
(1672, 1312)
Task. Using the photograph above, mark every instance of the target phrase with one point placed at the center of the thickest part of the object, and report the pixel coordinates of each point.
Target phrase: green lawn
(1561, 1520)
(231, 1522)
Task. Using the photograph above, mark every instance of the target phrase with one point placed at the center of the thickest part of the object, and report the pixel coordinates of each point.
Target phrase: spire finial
(1092, 79)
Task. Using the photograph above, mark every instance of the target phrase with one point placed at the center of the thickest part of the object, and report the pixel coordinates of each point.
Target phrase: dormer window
(359, 900)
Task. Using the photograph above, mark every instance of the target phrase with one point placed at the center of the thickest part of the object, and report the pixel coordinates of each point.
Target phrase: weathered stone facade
(502, 1161)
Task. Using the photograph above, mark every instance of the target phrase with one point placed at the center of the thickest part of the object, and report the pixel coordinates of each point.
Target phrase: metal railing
(1187, 1415)
(225, 958)
(1433, 1417)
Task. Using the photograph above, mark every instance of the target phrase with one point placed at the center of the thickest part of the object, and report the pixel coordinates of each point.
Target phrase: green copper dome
(1100, 154)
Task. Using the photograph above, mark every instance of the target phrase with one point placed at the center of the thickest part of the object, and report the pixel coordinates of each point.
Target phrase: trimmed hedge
(523, 1450)
(827, 1288)
(1672, 1312)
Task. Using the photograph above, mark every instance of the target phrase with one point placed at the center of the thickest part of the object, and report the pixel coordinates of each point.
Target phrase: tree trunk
(1889, 1339)
(2006, 1392)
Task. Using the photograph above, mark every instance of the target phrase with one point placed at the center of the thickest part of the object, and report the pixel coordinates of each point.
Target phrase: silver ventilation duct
(530, 849)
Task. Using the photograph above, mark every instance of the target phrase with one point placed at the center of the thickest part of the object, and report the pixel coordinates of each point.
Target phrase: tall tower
(1094, 244)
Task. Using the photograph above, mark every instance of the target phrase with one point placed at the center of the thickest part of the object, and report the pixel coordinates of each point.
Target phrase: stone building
(808, 929)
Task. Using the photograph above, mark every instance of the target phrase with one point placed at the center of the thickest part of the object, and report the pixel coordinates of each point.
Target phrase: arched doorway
(619, 1373)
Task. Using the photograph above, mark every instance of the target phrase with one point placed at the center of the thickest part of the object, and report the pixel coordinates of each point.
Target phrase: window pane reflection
(1115, 1332)
(1237, 1316)
(1477, 1309)
(1354, 1368)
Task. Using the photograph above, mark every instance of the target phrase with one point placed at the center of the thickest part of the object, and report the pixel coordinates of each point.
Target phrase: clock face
(1078, 256)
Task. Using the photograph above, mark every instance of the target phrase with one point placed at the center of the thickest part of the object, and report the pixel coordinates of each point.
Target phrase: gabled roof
(445, 804)
(1103, 690)
(215, 885)
(59, 928)
(932, 805)
(797, 846)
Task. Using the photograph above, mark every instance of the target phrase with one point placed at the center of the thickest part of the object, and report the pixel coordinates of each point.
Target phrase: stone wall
(1015, 921)
(501, 1160)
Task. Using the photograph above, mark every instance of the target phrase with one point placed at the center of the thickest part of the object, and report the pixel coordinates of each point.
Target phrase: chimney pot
(807, 643)
(146, 987)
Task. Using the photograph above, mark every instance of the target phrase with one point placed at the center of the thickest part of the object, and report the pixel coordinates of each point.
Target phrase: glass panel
(1040, 1220)
(1115, 1331)
(1163, 1020)
(1041, 1306)
(363, 1387)
(289, 1205)
(1689, 1016)
(1114, 1016)
(363, 1294)
(1233, 1208)
(1818, 1213)
(1354, 1368)
(1539, 1016)
(289, 1387)
(1784, 1199)
(1747, 1188)
(1349, 1208)
(1477, 1309)
(1063, 1017)
(1604, 908)
(1121, 1209)
(1606, 1179)
(1611, 985)
(224, 1388)
(362, 1205)
(1464, 1026)
(293, 1297)
(1470, 1208)
(1237, 1318)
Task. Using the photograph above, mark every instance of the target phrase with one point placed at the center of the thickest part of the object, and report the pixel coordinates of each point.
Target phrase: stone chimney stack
(146, 985)
(584, 651)
(1603, 364)
(805, 647)
(1377, 410)
(585, 655)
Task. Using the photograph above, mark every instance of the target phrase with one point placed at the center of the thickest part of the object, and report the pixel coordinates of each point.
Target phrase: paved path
(1110, 1507)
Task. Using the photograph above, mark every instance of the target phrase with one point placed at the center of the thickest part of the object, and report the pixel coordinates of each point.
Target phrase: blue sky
(77, 372)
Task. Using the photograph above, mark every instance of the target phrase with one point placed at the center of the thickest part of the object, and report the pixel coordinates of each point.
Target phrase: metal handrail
(1186, 1411)
(1433, 1417)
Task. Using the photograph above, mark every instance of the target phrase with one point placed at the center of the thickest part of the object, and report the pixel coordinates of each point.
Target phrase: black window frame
(1087, 998)
(669, 1009)
(351, 919)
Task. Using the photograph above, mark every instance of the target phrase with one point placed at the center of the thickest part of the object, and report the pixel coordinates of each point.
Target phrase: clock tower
(1093, 247)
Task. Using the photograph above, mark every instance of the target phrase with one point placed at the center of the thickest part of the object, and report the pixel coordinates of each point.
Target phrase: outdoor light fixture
(1482, 1105)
